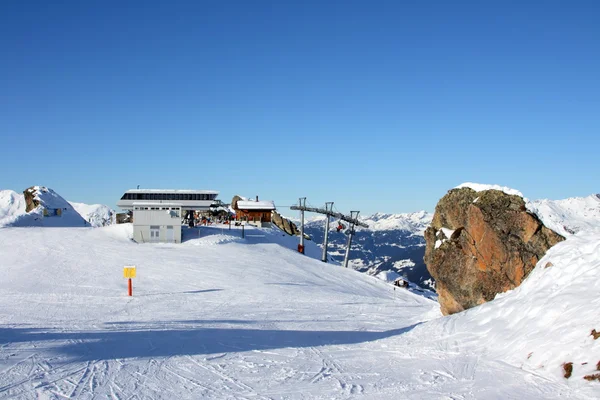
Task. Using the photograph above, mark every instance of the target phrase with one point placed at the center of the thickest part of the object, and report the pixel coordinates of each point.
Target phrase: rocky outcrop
(480, 244)
(284, 224)
(31, 203)
(234, 201)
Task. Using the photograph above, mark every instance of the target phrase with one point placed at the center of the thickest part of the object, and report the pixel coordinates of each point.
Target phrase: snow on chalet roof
(256, 205)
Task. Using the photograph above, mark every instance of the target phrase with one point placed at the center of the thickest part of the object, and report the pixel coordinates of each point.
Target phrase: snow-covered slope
(96, 214)
(59, 213)
(224, 317)
(569, 216)
(538, 326)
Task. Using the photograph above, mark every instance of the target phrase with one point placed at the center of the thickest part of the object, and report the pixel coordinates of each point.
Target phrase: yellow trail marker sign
(129, 272)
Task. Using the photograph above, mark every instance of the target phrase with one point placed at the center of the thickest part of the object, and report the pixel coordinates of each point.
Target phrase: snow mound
(12, 205)
(569, 216)
(96, 214)
(543, 323)
(480, 187)
(116, 232)
(52, 210)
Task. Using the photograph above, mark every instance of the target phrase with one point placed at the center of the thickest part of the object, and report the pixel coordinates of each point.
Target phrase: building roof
(256, 205)
(156, 203)
(172, 191)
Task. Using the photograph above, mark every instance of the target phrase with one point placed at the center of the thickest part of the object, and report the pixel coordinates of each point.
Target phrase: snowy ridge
(569, 216)
(12, 205)
(12, 211)
(415, 222)
(49, 201)
(96, 214)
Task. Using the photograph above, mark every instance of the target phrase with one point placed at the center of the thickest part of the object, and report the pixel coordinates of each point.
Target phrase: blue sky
(377, 106)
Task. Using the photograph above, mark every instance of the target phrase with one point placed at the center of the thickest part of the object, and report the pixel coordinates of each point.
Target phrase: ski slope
(223, 317)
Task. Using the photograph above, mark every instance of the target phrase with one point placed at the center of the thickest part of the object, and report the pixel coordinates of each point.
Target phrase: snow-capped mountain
(569, 216)
(48, 209)
(393, 242)
(12, 204)
(96, 214)
(52, 210)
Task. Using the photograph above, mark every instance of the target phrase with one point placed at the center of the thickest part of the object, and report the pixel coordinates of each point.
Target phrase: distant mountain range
(393, 242)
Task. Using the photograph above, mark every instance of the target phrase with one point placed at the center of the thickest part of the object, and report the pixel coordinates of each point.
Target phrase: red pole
(130, 288)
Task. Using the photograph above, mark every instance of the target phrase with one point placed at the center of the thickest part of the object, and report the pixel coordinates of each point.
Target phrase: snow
(447, 232)
(415, 222)
(256, 205)
(479, 187)
(12, 211)
(223, 317)
(12, 205)
(569, 216)
(388, 276)
(96, 214)
(540, 325)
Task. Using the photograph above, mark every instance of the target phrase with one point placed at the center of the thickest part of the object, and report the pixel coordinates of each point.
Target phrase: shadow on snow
(136, 342)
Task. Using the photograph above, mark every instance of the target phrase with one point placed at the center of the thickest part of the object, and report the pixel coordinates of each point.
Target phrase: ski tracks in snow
(331, 369)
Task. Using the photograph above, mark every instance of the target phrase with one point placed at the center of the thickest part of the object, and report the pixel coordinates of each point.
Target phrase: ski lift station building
(157, 213)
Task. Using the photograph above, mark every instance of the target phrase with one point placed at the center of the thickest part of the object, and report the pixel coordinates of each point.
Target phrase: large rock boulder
(480, 244)
(284, 224)
(31, 199)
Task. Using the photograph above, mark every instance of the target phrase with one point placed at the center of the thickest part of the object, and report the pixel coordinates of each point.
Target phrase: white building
(157, 213)
(156, 222)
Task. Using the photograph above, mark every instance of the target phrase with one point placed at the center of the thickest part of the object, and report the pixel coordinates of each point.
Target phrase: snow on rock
(96, 214)
(47, 209)
(479, 187)
(569, 216)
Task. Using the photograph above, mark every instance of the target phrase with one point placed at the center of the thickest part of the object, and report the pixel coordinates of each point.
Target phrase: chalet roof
(256, 205)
